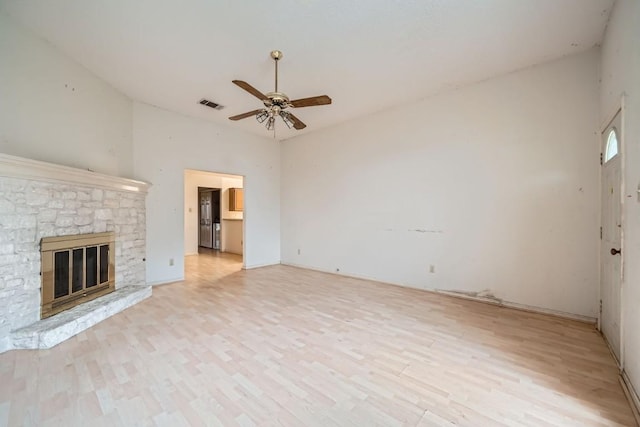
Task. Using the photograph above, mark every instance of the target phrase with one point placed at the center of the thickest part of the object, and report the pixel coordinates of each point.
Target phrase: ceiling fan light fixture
(286, 118)
(262, 116)
(271, 123)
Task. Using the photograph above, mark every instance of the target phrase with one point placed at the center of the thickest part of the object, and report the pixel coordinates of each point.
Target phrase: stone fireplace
(90, 225)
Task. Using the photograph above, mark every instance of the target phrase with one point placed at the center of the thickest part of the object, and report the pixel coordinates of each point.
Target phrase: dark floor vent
(211, 104)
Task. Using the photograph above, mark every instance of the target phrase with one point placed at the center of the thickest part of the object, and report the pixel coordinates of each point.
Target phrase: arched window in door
(612, 146)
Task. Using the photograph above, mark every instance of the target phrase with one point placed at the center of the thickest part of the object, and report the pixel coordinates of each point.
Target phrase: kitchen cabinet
(236, 199)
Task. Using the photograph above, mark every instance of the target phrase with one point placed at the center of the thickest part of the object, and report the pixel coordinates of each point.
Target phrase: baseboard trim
(518, 306)
(350, 276)
(165, 282)
(632, 396)
(231, 252)
(498, 302)
(251, 267)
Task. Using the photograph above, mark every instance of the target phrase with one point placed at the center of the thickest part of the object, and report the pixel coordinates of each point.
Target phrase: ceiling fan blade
(245, 115)
(311, 102)
(252, 90)
(296, 122)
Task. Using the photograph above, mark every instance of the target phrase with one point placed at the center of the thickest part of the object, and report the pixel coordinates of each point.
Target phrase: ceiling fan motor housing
(276, 98)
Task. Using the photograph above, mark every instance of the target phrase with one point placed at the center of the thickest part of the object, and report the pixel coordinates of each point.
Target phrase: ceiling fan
(276, 103)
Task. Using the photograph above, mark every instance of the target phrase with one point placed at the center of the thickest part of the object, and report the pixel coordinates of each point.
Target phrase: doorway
(219, 192)
(611, 236)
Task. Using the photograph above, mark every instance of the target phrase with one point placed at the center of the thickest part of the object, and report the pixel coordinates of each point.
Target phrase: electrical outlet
(298, 251)
(432, 268)
(170, 261)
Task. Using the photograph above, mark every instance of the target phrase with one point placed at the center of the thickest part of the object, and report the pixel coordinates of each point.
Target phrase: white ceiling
(366, 55)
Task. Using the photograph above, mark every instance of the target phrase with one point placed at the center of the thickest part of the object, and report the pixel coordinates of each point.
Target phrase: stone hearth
(53, 330)
(39, 199)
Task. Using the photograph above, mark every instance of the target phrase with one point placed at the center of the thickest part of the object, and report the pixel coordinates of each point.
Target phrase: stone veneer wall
(32, 209)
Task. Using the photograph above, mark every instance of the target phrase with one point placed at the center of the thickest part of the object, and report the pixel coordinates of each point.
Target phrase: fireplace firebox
(76, 269)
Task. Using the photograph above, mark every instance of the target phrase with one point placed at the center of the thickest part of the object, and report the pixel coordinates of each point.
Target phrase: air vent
(211, 104)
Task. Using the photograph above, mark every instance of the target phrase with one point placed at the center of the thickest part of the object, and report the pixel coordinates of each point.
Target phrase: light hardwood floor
(285, 346)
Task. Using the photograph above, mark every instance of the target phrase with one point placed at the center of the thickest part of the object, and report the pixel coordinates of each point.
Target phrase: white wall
(165, 145)
(229, 242)
(495, 185)
(620, 74)
(55, 110)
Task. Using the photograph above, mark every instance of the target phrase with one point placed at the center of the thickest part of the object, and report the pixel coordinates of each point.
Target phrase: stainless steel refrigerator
(209, 214)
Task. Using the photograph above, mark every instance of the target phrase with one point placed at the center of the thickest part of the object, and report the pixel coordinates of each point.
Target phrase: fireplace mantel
(19, 167)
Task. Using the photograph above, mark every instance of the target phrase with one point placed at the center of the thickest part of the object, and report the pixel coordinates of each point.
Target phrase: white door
(610, 245)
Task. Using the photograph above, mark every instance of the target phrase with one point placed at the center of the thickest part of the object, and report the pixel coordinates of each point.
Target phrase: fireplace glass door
(75, 269)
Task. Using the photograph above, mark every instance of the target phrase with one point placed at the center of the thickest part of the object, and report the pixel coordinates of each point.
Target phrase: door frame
(619, 108)
(194, 176)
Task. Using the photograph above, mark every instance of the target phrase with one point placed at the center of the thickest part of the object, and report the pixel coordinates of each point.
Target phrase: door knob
(615, 251)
